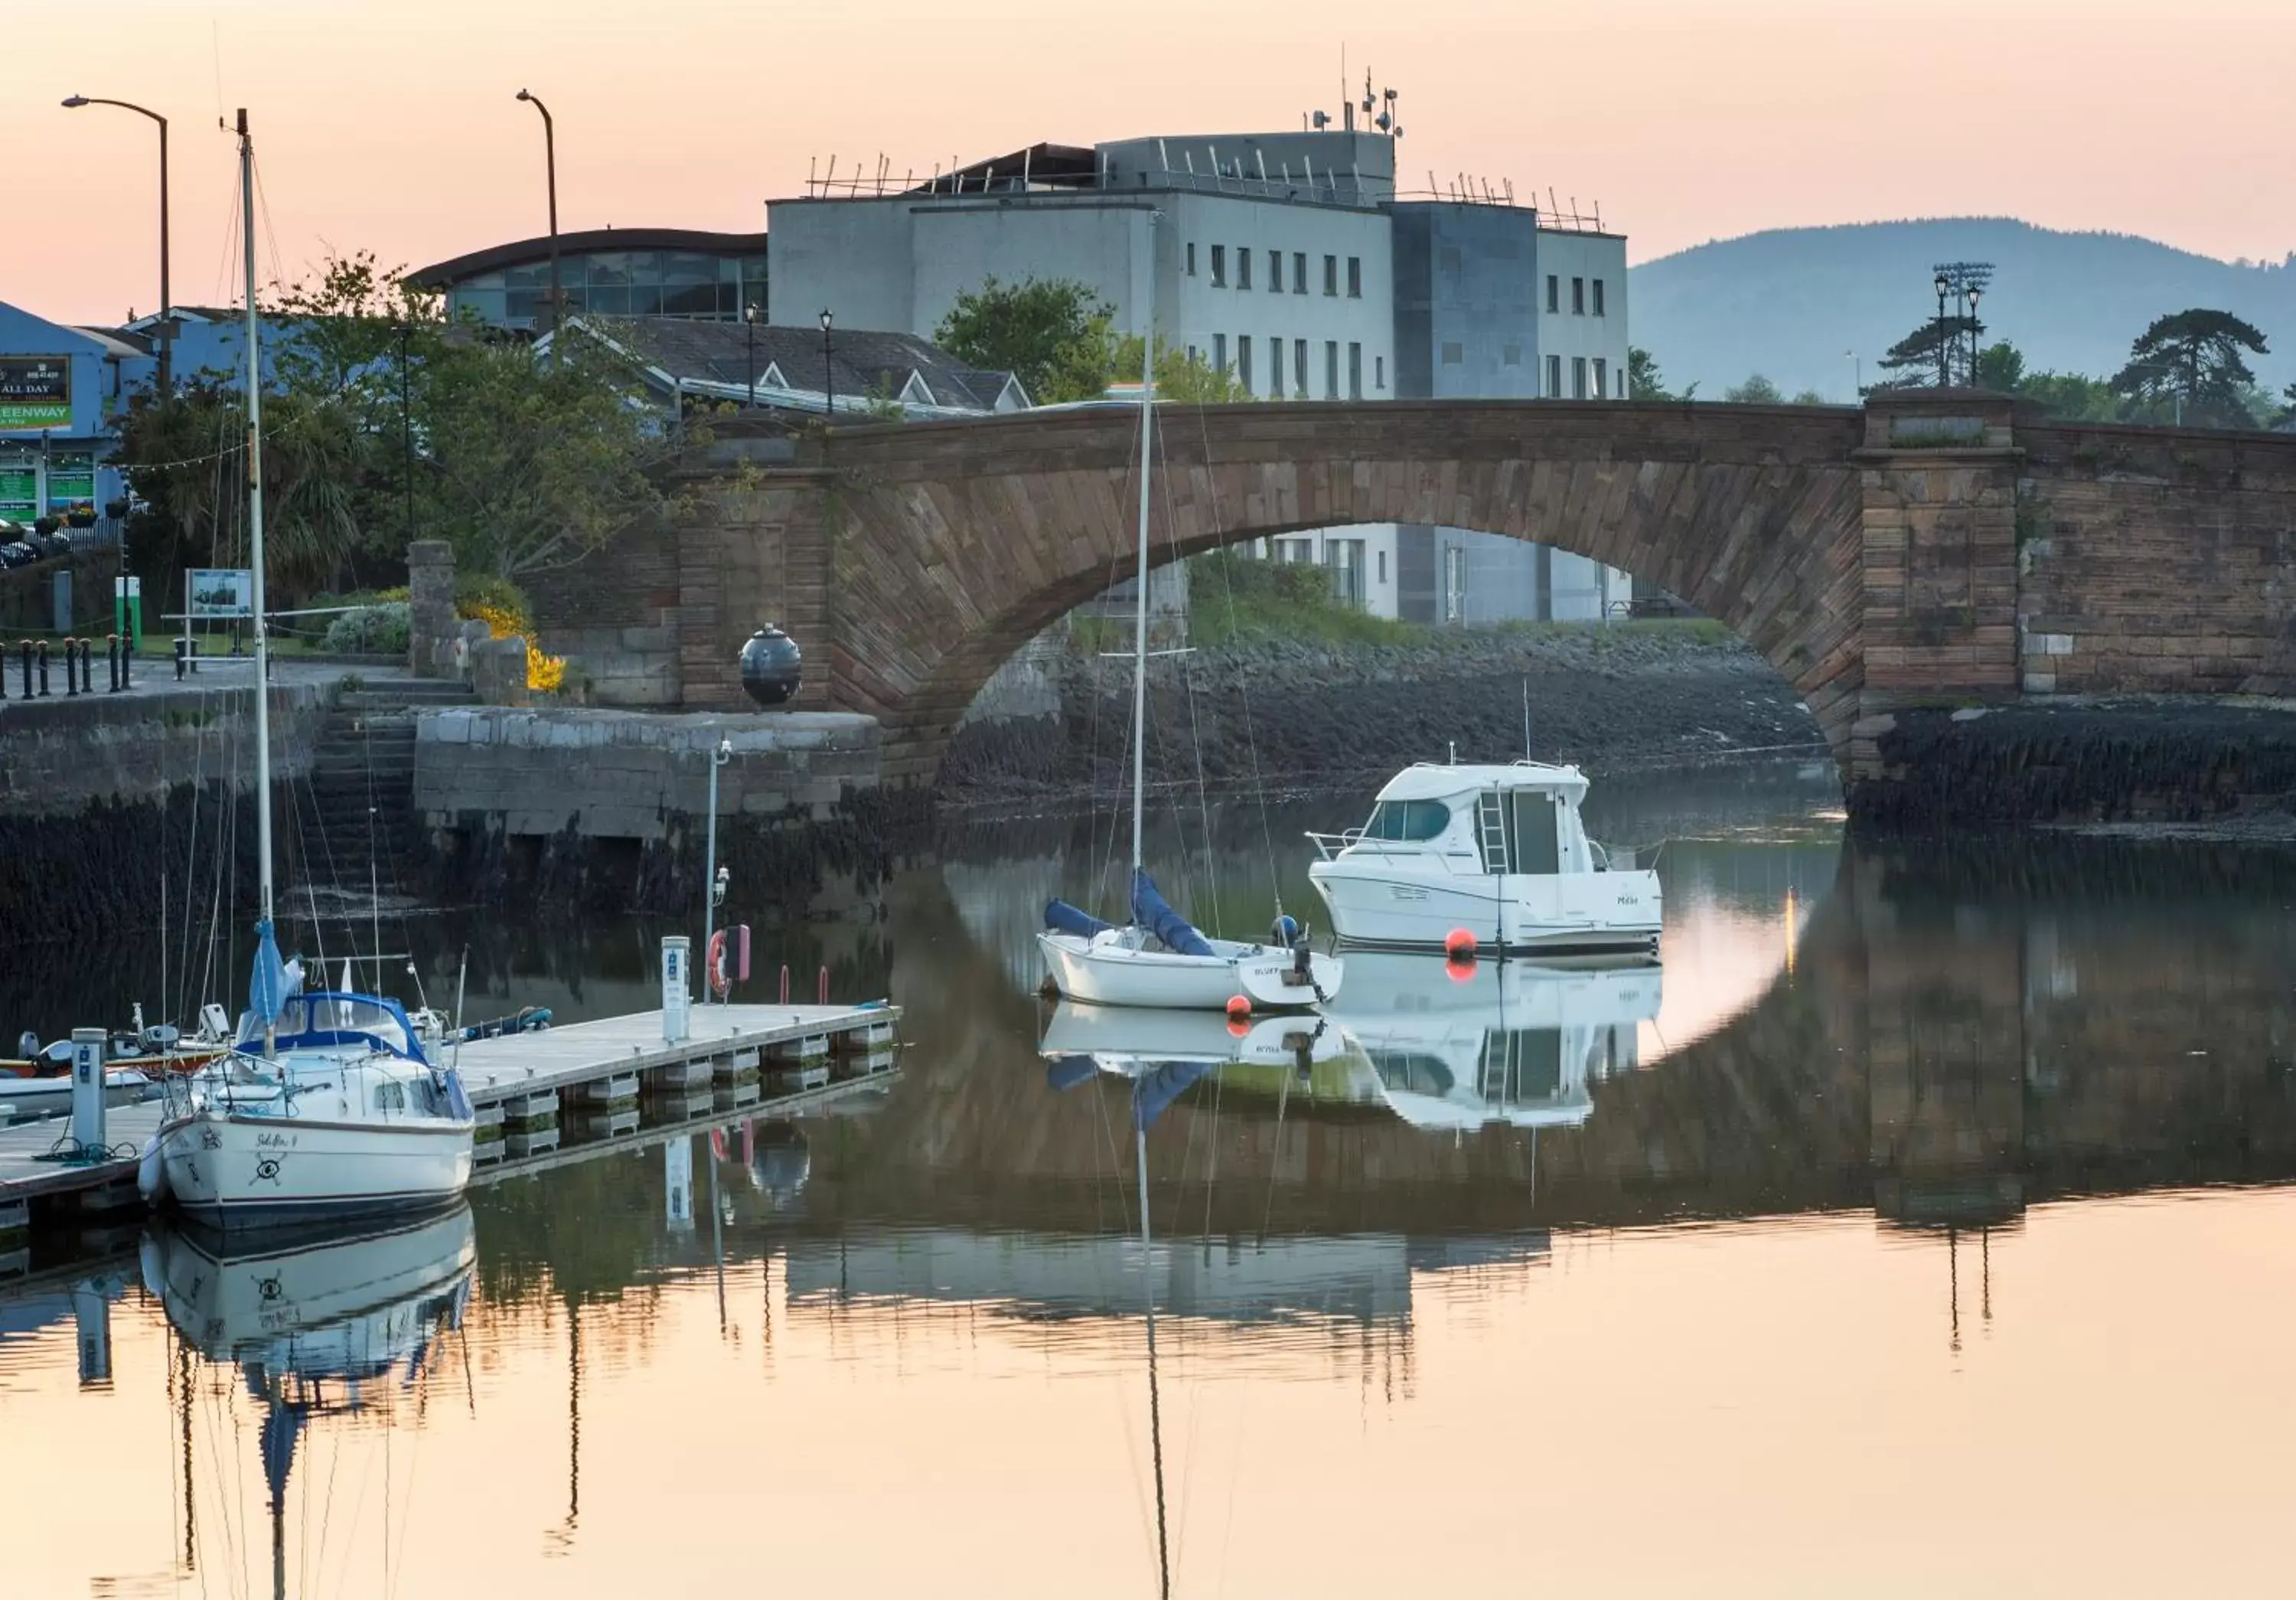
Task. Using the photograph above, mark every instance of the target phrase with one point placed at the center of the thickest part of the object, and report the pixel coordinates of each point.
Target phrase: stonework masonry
(619, 775)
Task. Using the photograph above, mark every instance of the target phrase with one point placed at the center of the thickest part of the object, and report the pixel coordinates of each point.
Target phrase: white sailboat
(325, 1106)
(1157, 958)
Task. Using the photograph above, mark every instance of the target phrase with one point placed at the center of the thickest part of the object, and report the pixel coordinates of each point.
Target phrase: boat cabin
(1521, 818)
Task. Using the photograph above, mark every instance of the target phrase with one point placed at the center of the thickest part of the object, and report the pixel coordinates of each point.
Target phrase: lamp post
(1973, 292)
(164, 327)
(751, 315)
(828, 371)
(715, 878)
(407, 425)
(1941, 285)
(1856, 372)
(550, 163)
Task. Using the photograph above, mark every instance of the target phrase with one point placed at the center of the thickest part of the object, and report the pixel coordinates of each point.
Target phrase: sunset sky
(393, 127)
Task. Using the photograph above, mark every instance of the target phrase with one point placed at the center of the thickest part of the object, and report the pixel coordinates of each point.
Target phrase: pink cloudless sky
(392, 127)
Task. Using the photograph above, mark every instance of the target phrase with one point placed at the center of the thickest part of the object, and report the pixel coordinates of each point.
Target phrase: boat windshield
(323, 1018)
(1411, 821)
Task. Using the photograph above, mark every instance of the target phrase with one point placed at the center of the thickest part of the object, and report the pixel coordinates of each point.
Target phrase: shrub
(370, 630)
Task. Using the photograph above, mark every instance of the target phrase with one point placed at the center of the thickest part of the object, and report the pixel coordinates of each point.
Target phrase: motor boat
(1456, 1044)
(1498, 852)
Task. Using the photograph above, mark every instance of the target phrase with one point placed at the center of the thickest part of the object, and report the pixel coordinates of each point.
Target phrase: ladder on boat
(1490, 828)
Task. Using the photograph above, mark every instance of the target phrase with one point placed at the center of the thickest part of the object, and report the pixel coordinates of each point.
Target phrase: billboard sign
(35, 391)
(221, 592)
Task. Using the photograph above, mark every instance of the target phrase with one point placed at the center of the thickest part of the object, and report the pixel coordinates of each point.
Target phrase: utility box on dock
(87, 1087)
(676, 955)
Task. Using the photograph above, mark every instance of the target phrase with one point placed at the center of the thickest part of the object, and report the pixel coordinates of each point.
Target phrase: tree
(1935, 352)
(1756, 391)
(2189, 367)
(2001, 367)
(1053, 334)
(1810, 397)
(2286, 417)
(1181, 375)
(1644, 381)
(2071, 397)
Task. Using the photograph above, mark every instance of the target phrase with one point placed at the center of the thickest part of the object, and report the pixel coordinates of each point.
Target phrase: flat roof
(524, 252)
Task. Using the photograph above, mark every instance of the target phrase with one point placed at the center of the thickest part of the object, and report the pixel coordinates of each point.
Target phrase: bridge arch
(950, 546)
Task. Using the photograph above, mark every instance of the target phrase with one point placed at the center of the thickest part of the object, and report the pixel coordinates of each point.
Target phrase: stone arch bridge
(1935, 547)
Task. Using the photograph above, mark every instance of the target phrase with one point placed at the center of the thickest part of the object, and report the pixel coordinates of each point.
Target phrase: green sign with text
(35, 391)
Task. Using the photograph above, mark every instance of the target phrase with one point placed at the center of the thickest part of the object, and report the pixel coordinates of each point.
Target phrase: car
(17, 554)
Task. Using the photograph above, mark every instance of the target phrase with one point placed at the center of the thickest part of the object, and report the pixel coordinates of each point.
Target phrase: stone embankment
(1610, 698)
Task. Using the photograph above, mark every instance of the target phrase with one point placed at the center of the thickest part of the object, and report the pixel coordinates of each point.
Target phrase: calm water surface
(1923, 1226)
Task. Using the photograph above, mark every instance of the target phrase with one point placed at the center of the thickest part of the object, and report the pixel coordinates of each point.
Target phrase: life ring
(717, 1144)
(718, 978)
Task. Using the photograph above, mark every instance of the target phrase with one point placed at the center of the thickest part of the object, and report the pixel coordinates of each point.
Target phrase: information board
(71, 482)
(221, 592)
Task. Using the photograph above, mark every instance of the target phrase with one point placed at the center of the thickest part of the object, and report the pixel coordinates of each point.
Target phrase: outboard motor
(1299, 954)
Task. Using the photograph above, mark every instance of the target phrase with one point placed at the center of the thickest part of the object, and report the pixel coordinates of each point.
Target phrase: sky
(393, 127)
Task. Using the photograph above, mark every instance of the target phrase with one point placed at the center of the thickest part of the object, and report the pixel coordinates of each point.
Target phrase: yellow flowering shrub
(544, 673)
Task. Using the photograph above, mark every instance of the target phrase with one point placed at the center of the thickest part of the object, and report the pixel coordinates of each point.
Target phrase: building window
(1379, 372)
(1577, 377)
(1298, 272)
(1276, 272)
(1382, 566)
(1191, 258)
(1511, 354)
(1331, 274)
(1243, 266)
(1554, 377)
(1296, 552)
(1275, 368)
(1300, 367)
(1553, 285)
(1598, 298)
(1219, 266)
(1455, 583)
(1331, 369)
(1243, 361)
(1355, 277)
(1355, 372)
(1601, 377)
(1219, 352)
(1578, 297)
(1344, 559)
(1454, 353)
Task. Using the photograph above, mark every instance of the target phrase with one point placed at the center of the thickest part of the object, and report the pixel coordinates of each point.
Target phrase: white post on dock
(87, 1087)
(676, 956)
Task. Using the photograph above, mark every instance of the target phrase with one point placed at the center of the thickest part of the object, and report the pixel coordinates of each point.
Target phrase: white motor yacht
(1498, 851)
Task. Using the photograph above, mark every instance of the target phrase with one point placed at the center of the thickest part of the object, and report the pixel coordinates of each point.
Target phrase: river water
(1921, 1226)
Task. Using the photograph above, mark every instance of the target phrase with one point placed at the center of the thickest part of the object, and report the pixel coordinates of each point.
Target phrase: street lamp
(1942, 286)
(752, 314)
(1856, 372)
(714, 877)
(164, 327)
(550, 160)
(1973, 292)
(828, 372)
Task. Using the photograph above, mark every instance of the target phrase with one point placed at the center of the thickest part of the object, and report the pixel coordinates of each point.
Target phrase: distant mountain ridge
(1789, 303)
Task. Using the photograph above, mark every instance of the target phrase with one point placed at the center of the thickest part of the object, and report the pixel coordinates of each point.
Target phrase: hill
(1789, 303)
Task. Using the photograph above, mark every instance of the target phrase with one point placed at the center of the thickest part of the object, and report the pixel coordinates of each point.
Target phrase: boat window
(1407, 820)
(389, 1096)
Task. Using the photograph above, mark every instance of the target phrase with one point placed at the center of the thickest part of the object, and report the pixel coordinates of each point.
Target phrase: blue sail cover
(1160, 1085)
(1067, 1071)
(267, 986)
(1149, 911)
(1062, 917)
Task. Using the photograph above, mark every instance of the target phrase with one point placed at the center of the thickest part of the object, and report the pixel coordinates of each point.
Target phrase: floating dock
(757, 1060)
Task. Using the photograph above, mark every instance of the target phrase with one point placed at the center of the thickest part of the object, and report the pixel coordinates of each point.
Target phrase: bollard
(183, 656)
(126, 654)
(87, 666)
(784, 982)
(112, 662)
(43, 659)
(822, 989)
(25, 647)
(71, 665)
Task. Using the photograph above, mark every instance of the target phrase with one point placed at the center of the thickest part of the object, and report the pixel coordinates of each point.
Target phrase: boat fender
(151, 1173)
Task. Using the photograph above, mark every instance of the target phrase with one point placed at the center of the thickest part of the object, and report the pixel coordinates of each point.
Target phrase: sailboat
(313, 1327)
(1157, 958)
(325, 1105)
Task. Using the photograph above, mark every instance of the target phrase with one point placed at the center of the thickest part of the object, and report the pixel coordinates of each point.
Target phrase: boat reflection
(1460, 1044)
(318, 1328)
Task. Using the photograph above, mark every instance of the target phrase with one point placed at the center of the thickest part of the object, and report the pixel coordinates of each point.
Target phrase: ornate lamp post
(828, 371)
(1973, 292)
(751, 316)
(1942, 286)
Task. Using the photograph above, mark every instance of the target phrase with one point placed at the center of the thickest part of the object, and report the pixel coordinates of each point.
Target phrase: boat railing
(1330, 845)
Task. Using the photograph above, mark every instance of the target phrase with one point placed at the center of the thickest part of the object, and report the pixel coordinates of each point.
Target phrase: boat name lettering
(284, 1141)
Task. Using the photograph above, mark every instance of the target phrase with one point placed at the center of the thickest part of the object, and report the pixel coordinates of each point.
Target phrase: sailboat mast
(255, 526)
(1140, 584)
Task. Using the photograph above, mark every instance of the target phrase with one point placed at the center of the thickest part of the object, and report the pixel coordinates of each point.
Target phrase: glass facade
(634, 283)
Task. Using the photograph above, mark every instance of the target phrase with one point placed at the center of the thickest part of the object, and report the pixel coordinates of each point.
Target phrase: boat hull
(232, 1170)
(1388, 902)
(1108, 974)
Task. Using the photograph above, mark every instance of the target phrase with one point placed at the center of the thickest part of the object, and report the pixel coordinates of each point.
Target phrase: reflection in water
(1882, 1202)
